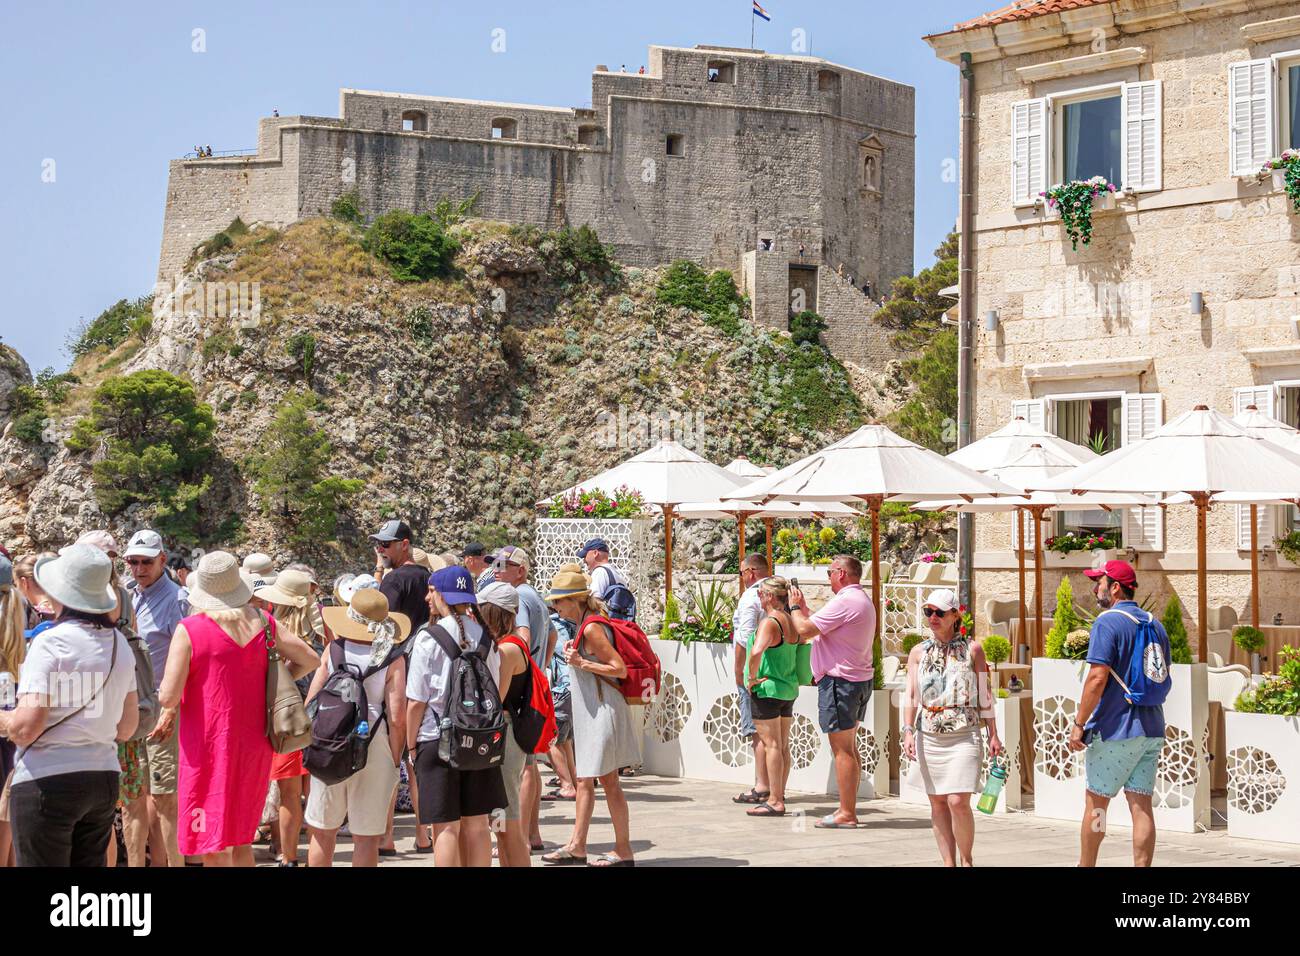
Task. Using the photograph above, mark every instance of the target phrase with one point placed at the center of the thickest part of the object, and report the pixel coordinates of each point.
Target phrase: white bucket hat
(81, 578)
(217, 584)
(358, 583)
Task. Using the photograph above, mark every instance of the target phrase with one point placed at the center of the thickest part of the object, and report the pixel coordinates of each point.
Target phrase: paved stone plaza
(694, 823)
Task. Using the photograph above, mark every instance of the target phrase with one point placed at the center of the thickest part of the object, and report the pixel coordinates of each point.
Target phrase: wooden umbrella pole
(1202, 504)
(873, 502)
(668, 552)
(740, 522)
(770, 567)
(1020, 533)
(1037, 513)
(1254, 569)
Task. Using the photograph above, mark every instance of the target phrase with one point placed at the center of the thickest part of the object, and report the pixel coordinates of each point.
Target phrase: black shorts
(841, 704)
(447, 794)
(770, 708)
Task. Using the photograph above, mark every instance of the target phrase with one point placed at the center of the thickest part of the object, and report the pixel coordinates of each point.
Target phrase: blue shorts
(746, 702)
(841, 704)
(1128, 764)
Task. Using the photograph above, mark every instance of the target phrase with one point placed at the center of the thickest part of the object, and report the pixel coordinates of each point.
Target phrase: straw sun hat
(290, 589)
(568, 584)
(217, 585)
(368, 619)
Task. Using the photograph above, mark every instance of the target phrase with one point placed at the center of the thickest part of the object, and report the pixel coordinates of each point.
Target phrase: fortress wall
(462, 119)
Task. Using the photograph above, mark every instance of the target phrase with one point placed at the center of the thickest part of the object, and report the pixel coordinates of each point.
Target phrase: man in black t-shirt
(405, 584)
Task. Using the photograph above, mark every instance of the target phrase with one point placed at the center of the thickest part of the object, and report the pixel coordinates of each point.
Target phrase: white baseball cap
(144, 544)
(358, 583)
(943, 600)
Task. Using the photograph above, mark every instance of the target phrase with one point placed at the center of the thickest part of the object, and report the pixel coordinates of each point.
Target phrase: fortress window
(722, 71)
(676, 144)
(415, 121)
(588, 135)
(504, 128)
(828, 81)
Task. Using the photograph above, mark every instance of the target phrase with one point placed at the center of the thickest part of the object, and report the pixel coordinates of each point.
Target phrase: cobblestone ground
(694, 823)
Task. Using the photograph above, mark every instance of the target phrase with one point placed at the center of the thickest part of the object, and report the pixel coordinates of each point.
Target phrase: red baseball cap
(1120, 571)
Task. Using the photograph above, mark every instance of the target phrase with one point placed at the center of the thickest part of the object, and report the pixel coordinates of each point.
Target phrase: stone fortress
(795, 173)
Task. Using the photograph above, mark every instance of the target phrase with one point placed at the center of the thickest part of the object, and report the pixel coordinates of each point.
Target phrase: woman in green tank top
(771, 674)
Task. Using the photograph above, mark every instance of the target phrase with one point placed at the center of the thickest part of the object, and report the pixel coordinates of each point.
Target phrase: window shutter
(1028, 151)
(1144, 528)
(1031, 410)
(1250, 115)
(1141, 140)
(1261, 396)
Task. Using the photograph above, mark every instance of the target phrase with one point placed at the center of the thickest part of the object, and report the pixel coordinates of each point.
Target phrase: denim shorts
(1128, 764)
(746, 702)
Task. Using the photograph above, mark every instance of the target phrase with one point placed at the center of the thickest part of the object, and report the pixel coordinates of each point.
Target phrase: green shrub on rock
(416, 247)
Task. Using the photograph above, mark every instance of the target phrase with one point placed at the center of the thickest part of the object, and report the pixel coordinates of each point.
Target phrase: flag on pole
(760, 12)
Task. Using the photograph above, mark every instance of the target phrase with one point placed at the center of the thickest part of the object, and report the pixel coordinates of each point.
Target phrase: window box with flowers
(1076, 201)
(1081, 549)
(1285, 173)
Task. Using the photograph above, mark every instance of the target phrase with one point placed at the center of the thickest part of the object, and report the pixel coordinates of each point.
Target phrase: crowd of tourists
(177, 711)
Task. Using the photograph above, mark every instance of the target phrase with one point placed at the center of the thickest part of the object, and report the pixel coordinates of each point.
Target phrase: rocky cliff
(458, 402)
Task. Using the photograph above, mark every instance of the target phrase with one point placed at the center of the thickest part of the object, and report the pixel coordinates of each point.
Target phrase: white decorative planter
(1182, 795)
(1007, 714)
(631, 547)
(1104, 201)
(1279, 179)
(1263, 776)
(806, 573)
(693, 728)
(1081, 559)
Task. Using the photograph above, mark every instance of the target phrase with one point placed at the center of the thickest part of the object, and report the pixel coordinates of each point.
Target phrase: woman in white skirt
(947, 697)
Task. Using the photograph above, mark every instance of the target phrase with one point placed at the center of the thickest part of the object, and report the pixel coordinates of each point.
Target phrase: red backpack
(534, 723)
(641, 685)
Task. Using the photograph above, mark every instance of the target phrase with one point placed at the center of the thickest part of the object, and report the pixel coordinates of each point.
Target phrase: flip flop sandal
(562, 857)
(765, 810)
(754, 796)
(424, 849)
(553, 782)
(390, 851)
(557, 795)
(828, 823)
(608, 860)
(536, 848)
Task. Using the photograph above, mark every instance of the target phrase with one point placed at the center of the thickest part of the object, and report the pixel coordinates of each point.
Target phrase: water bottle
(997, 780)
(363, 728)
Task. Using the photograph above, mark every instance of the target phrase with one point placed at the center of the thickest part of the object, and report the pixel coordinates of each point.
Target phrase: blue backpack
(619, 599)
(1146, 680)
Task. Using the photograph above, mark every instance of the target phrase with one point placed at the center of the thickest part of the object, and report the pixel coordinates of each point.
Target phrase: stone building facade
(1179, 102)
(795, 173)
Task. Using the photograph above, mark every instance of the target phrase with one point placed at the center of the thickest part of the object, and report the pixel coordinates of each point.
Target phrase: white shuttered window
(1029, 151)
(1141, 135)
(1144, 528)
(1250, 115)
(1266, 516)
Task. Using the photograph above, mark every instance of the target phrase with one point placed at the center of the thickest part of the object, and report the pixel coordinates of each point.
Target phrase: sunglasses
(140, 562)
(930, 612)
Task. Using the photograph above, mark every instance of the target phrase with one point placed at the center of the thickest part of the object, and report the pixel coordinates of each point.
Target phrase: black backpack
(337, 751)
(620, 600)
(474, 725)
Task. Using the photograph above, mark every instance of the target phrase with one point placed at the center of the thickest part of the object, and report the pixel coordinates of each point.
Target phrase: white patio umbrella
(1035, 466)
(741, 511)
(872, 464)
(745, 468)
(1201, 453)
(665, 475)
(998, 449)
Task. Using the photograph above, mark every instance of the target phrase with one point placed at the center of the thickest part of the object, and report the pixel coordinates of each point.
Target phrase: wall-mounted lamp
(1197, 304)
(991, 320)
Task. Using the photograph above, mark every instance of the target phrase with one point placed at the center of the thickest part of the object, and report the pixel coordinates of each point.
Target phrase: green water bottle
(997, 780)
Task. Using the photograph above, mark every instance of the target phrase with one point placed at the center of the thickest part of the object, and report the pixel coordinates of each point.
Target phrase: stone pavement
(679, 822)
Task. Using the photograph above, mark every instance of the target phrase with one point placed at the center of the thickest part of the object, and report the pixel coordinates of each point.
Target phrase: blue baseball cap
(455, 584)
(595, 544)
(6, 572)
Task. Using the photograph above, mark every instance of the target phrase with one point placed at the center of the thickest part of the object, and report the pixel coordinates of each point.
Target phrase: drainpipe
(965, 320)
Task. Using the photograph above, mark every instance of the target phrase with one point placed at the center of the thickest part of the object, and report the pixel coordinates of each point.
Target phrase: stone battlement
(793, 172)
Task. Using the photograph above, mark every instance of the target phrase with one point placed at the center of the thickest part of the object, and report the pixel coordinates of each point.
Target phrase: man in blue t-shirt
(1123, 740)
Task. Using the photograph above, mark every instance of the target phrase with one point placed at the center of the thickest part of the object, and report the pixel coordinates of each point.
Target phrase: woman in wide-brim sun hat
(216, 679)
(76, 702)
(946, 699)
(604, 734)
(366, 635)
(289, 598)
(456, 802)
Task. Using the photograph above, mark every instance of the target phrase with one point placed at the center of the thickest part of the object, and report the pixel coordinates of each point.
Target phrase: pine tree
(1064, 620)
(1180, 651)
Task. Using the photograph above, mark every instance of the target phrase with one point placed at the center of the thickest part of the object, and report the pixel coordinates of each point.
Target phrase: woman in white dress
(947, 697)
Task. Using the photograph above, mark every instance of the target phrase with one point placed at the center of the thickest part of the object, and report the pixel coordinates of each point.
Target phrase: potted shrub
(1288, 546)
(1076, 200)
(997, 649)
(1065, 620)
(708, 619)
(1262, 737)
(1251, 640)
(1180, 651)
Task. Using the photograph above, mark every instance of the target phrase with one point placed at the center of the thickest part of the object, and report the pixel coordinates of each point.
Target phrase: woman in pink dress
(216, 677)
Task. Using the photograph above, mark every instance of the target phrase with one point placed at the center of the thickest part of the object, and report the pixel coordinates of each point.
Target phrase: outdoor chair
(889, 668)
(999, 612)
(1226, 683)
(1220, 622)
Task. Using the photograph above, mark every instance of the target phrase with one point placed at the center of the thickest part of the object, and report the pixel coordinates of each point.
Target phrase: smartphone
(794, 582)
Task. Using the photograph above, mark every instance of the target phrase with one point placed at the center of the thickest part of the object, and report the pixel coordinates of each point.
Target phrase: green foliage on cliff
(113, 326)
(807, 327)
(289, 465)
(929, 416)
(156, 440)
(347, 208)
(915, 306)
(415, 247)
(714, 293)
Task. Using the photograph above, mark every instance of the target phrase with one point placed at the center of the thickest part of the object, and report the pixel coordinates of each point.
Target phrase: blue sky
(111, 92)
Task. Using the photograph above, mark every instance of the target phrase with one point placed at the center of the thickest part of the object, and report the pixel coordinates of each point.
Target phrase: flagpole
(751, 30)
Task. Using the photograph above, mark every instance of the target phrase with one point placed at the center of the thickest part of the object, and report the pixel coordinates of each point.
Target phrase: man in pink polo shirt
(841, 635)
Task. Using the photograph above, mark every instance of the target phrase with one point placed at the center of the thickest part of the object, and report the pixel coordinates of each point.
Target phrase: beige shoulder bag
(287, 725)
